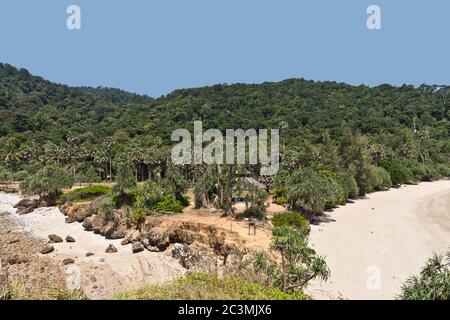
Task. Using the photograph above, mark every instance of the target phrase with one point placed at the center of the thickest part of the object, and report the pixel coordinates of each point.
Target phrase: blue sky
(155, 46)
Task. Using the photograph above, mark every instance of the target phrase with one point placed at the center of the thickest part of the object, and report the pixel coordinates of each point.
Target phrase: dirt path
(374, 244)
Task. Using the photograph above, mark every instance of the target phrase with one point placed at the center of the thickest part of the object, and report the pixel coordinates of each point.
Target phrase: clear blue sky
(156, 46)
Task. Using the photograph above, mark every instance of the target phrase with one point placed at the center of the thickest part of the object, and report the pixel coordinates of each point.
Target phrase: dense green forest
(341, 140)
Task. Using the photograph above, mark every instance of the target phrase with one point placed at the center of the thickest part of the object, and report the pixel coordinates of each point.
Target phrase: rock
(131, 236)
(16, 260)
(47, 249)
(70, 239)
(25, 211)
(55, 239)
(108, 229)
(68, 261)
(181, 236)
(186, 256)
(137, 247)
(26, 203)
(99, 202)
(14, 241)
(89, 254)
(120, 229)
(111, 249)
(94, 223)
(157, 237)
(75, 212)
(102, 260)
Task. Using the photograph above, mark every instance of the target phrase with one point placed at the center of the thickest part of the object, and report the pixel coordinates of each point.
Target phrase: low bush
(281, 201)
(86, 193)
(349, 185)
(290, 219)
(169, 204)
(398, 170)
(200, 286)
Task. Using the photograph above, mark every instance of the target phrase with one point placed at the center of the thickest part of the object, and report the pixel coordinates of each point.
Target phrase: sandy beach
(374, 244)
(101, 275)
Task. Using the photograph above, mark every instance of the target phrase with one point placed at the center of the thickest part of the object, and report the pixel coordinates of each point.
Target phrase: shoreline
(374, 244)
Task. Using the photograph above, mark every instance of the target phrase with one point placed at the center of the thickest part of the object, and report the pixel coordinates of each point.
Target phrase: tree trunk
(229, 191)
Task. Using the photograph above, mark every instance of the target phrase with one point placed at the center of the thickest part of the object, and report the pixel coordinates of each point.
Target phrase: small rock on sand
(111, 249)
(47, 249)
(70, 239)
(89, 254)
(137, 247)
(55, 239)
(68, 261)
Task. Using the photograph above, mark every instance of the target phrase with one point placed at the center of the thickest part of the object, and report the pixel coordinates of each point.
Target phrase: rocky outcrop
(26, 206)
(75, 212)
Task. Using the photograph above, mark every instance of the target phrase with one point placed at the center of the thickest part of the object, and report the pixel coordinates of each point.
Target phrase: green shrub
(169, 204)
(443, 170)
(349, 185)
(290, 219)
(431, 173)
(48, 182)
(398, 170)
(252, 212)
(200, 286)
(185, 201)
(86, 193)
(381, 179)
(433, 282)
(281, 201)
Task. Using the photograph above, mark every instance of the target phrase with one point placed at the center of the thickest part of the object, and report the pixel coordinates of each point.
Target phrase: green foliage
(349, 185)
(203, 187)
(433, 282)
(148, 195)
(86, 194)
(290, 219)
(169, 204)
(281, 201)
(299, 263)
(309, 191)
(257, 198)
(48, 182)
(199, 286)
(174, 183)
(123, 191)
(399, 172)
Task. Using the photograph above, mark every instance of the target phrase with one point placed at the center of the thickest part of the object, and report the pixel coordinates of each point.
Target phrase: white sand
(374, 244)
(103, 274)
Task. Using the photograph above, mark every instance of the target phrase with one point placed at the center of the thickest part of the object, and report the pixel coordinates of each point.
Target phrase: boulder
(47, 249)
(137, 247)
(89, 254)
(25, 211)
(70, 239)
(111, 249)
(181, 236)
(158, 238)
(108, 229)
(68, 261)
(131, 236)
(55, 239)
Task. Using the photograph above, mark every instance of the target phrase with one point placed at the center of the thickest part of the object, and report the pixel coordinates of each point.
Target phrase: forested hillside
(355, 132)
